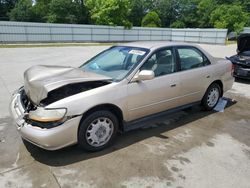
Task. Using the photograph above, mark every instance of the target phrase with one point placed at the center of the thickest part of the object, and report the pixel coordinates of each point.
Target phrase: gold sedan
(122, 86)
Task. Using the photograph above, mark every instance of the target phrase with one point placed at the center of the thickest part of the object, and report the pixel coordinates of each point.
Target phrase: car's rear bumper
(50, 139)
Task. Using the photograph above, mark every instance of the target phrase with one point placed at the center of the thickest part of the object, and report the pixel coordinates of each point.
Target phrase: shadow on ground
(242, 81)
(154, 128)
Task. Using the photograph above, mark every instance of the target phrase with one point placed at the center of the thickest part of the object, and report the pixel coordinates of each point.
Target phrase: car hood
(243, 43)
(41, 79)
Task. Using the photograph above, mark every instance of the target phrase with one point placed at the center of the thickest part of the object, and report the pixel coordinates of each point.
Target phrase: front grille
(27, 104)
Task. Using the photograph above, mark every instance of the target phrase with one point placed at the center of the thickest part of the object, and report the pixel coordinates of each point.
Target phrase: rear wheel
(98, 130)
(211, 96)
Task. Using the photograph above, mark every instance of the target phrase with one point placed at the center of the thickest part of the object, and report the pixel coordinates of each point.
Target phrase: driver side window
(161, 63)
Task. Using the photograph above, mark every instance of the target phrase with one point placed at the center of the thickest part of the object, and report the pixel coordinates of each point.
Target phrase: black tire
(205, 100)
(85, 124)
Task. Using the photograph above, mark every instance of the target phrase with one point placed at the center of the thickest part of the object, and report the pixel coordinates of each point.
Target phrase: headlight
(47, 115)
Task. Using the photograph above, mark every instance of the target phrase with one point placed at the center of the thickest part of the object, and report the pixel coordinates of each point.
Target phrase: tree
(82, 12)
(22, 11)
(62, 11)
(178, 24)
(139, 9)
(231, 14)
(137, 12)
(166, 11)
(5, 8)
(246, 5)
(227, 1)
(204, 10)
(151, 19)
(110, 12)
(187, 10)
(177, 13)
(40, 10)
(232, 17)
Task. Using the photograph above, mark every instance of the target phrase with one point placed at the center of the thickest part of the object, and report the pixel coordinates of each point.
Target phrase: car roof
(156, 44)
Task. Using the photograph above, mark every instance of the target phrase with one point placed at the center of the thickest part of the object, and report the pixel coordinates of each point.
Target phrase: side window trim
(177, 59)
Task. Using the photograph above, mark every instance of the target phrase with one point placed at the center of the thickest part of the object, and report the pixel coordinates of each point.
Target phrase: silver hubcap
(213, 97)
(99, 131)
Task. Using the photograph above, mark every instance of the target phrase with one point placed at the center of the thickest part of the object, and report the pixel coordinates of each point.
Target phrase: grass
(36, 45)
(228, 42)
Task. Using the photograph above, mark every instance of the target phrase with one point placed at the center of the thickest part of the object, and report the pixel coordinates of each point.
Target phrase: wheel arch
(219, 82)
(204, 98)
(110, 107)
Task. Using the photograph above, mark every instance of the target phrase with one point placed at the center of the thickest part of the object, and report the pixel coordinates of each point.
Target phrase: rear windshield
(246, 53)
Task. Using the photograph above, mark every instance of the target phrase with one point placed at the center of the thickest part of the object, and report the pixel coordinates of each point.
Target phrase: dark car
(241, 60)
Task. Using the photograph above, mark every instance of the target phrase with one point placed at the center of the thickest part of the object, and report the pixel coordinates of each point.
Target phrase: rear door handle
(172, 85)
(208, 76)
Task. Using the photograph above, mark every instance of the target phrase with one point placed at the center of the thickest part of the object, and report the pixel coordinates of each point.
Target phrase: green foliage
(188, 13)
(232, 17)
(139, 9)
(5, 7)
(204, 10)
(40, 10)
(151, 19)
(166, 10)
(231, 14)
(81, 12)
(178, 13)
(22, 11)
(178, 24)
(110, 12)
(62, 11)
(137, 12)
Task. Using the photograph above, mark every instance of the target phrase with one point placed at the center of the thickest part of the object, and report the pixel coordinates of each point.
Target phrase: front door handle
(172, 85)
(208, 76)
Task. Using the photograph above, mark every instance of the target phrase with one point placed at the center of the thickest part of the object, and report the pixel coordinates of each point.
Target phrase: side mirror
(144, 75)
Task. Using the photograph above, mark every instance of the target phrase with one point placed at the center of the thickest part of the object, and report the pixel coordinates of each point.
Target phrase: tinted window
(246, 53)
(191, 58)
(162, 62)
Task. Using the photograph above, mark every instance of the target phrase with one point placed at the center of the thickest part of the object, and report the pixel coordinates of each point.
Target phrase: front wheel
(97, 130)
(211, 96)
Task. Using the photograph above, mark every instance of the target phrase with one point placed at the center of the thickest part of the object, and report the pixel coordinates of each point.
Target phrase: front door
(159, 94)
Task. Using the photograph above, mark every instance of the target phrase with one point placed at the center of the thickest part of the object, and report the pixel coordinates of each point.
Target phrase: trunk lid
(243, 43)
(41, 79)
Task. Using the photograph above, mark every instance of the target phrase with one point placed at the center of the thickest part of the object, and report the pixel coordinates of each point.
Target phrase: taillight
(232, 69)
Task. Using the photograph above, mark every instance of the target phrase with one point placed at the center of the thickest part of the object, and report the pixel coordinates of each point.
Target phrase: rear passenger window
(191, 58)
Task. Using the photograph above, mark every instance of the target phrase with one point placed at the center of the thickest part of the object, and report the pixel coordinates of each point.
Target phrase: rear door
(195, 73)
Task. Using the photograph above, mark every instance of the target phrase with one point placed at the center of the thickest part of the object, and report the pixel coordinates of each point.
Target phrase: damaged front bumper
(49, 139)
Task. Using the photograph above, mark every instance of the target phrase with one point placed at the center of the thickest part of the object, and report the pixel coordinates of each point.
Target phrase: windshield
(245, 53)
(116, 62)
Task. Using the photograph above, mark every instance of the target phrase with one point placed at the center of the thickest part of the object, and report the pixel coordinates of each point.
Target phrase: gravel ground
(191, 148)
